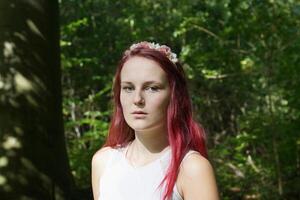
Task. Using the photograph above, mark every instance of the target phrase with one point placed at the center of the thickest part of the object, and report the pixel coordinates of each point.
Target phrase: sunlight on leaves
(247, 64)
(34, 28)
(8, 50)
(11, 142)
(212, 74)
(22, 83)
(3, 161)
(2, 180)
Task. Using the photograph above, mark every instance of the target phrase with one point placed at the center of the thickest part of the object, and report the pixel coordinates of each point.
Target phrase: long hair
(184, 133)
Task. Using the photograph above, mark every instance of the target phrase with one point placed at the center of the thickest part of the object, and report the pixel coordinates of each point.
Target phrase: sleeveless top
(123, 181)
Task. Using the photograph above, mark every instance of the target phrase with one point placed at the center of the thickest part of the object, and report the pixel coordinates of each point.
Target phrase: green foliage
(242, 63)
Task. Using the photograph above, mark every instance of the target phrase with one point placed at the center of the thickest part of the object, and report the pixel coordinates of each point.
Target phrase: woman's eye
(127, 88)
(152, 89)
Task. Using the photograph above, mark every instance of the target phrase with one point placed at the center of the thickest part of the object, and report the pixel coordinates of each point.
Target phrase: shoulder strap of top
(166, 159)
(112, 157)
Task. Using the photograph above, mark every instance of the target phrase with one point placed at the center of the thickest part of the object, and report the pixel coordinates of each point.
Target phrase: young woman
(154, 149)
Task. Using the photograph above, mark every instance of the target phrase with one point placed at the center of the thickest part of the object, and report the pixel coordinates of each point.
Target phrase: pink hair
(184, 133)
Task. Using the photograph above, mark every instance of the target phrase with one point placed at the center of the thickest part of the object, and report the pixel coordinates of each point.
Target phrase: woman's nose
(138, 99)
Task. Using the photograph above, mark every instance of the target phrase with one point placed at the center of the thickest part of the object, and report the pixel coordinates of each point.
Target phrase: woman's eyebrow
(147, 82)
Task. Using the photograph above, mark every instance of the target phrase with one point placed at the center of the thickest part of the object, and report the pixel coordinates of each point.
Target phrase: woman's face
(145, 94)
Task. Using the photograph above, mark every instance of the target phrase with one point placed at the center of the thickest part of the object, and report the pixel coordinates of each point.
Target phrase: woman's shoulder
(98, 165)
(193, 162)
(101, 156)
(195, 167)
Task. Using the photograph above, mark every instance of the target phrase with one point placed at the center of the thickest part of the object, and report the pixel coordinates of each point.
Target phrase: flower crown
(161, 48)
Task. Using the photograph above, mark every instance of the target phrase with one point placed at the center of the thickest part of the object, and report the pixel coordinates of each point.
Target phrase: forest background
(241, 58)
(242, 62)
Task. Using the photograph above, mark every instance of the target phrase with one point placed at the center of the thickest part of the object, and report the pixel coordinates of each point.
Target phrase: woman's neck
(147, 146)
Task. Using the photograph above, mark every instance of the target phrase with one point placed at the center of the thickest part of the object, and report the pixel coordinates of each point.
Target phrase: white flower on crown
(161, 48)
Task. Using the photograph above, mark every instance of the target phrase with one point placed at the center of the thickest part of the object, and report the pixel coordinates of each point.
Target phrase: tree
(33, 161)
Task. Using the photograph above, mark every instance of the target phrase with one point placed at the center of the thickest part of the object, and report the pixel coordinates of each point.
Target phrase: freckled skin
(144, 87)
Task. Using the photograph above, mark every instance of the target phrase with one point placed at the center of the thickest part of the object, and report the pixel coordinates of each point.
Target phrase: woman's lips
(139, 114)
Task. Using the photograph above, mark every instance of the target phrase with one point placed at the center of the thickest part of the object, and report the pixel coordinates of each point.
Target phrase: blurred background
(241, 58)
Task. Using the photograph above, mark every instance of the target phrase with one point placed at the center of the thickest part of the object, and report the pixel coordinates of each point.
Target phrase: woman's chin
(141, 126)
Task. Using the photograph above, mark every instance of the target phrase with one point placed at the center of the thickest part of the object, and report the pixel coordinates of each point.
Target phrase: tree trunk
(33, 157)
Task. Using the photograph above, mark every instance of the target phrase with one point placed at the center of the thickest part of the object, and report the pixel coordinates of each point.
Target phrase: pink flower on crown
(165, 49)
(161, 48)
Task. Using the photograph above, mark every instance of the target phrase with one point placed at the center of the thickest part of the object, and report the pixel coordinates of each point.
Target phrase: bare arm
(98, 165)
(196, 179)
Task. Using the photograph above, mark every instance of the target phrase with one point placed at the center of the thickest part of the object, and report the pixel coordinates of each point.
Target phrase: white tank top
(123, 181)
